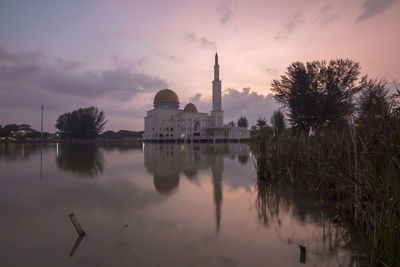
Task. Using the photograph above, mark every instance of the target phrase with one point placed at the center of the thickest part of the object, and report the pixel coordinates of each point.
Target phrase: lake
(157, 205)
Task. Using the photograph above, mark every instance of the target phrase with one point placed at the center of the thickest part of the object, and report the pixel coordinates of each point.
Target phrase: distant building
(167, 122)
(24, 129)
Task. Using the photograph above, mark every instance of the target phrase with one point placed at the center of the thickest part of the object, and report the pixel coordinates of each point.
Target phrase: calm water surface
(156, 205)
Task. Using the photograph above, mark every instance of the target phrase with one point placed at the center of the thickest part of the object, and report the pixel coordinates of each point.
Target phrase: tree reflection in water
(243, 159)
(17, 151)
(277, 201)
(85, 160)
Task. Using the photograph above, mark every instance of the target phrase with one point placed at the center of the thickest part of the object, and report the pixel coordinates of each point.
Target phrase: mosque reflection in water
(277, 205)
(168, 161)
(291, 214)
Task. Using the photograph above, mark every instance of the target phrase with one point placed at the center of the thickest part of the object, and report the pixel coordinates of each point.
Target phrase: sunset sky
(117, 54)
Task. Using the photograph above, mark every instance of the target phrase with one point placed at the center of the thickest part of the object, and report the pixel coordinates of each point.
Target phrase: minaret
(217, 113)
(217, 168)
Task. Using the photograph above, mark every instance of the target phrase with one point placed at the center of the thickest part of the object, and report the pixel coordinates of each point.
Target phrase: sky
(117, 54)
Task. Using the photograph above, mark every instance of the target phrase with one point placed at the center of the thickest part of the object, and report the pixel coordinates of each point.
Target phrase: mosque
(170, 164)
(166, 122)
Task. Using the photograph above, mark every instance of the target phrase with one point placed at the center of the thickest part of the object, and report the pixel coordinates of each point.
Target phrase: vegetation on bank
(122, 134)
(243, 122)
(345, 144)
(21, 132)
(83, 123)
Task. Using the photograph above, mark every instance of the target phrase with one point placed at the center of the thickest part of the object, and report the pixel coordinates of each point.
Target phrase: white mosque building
(167, 122)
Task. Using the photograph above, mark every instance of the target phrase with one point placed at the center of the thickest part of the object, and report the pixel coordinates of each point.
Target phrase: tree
(243, 122)
(278, 122)
(7, 130)
(317, 94)
(121, 134)
(231, 124)
(261, 123)
(83, 123)
(373, 100)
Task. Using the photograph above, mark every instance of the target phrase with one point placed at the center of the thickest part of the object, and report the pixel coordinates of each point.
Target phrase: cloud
(119, 198)
(325, 8)
(140, 61)
(175, 59)
(241, 103)
(115, 197)
(190, 36)
(290, 26)
(205, 43)
(171, 58)
(30, 79)
(25, 72)
(225, 13)
(196, 98)
(69, 65)
(270, 70)
(325, 14)
(372, 8)
(250, 104)
(118, 61)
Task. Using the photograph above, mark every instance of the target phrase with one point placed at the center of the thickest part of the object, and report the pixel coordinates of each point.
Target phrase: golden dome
(190, 107)
(166, 183)
(166, 95)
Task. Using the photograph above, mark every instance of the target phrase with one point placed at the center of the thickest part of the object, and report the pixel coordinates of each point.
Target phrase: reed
(356, 167)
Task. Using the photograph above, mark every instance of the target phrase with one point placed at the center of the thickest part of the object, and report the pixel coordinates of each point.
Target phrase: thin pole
(41, 164)
(41, 126)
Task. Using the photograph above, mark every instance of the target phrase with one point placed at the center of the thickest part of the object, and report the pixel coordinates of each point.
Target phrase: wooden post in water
(76, 224)
(303, 254)
(76, 245)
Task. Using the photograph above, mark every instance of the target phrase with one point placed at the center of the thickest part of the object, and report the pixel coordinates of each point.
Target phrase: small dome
(190, 107)
(166, 184)
(190, 173)
(166, 98)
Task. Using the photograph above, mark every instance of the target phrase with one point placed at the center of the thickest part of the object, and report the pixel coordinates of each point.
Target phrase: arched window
(196, 126)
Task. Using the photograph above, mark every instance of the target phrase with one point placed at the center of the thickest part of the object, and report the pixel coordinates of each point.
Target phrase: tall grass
(355, 167)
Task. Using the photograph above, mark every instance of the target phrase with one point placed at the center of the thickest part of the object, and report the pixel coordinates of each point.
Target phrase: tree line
(319, 94)
(343, 144)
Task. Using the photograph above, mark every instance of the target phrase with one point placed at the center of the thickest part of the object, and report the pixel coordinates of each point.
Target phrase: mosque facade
(167, 122)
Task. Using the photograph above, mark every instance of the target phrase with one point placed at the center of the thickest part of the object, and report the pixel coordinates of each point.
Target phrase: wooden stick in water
(76, 224)
(76, 245)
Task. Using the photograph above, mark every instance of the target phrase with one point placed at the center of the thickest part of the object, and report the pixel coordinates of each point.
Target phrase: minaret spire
(216, 68)
(217, 113)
